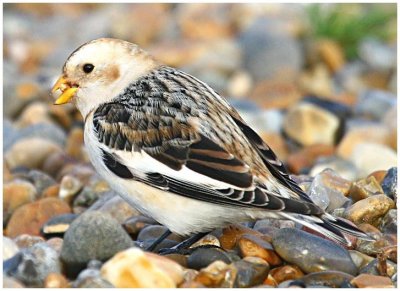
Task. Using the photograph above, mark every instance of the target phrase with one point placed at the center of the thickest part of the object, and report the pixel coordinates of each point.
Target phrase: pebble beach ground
(328, 110)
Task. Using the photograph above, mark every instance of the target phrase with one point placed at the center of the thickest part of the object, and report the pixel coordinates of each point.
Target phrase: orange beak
(67, 92)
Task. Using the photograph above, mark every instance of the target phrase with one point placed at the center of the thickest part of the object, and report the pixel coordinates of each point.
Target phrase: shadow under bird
(175, 149)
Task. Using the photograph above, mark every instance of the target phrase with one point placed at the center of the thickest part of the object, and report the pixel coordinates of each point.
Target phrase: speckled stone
(250, 272)
(369, 210)
(312, 253)
(93, 235)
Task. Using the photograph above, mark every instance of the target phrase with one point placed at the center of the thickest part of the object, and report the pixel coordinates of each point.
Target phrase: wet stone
(369, 210)
(250, 272)
(365, 188)
(203, 257)
(135, 224)
(311, 253)
(360, 259)
(373, 268)
(232, 233)
(333, 279)
(389, 222)
(253, 246)
(93, 235)
(288, 272)
(217, 274)
(36, 263)
(389, 183)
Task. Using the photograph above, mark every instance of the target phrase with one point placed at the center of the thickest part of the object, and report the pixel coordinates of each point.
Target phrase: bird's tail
(330, 226)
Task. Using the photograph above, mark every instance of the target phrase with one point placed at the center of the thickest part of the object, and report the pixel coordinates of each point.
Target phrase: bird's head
(98, 71)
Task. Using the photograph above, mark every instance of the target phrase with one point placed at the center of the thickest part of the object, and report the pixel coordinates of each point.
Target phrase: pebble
(360, 259)
(377, 54)
(10, 282)
(30, 152)
(208, 240)
(15, 194)
(217, 275)
(93, 235)
(254, 246)
(311, 253)
(344, 168)
(372, 281)
(153, 232)
(365, 188)
(69, 187)
(332, 279)
(389, 222)
(232, 233)
(40, 180)
(36, 263)
(288, 272)
(135, 224)
(373, 267)
(91, 278)
(117, 207)
(55, 280)
(134, 268)
(202, 257)
(323, 193)
(279, 50)
(29, 218)
(360, 133)
(10, 248)
(389, 183)
(58, 225)
(250, 272)
(26, 241)
(374, 104)
(302, 160)
(369, 210)
(371, 157)
(309, 124)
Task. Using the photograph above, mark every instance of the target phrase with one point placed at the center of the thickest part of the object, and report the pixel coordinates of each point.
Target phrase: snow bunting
(175, 149)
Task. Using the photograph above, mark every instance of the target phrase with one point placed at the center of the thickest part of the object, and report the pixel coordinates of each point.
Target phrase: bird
(176, 150)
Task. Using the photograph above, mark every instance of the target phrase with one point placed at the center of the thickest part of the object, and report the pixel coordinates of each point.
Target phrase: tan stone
(369, 210)
(134, 268)
(254, 246)
(15, 194)
(232, 233)
(372, 281)
(29, 218)
(364, 188)
(332, 54)
(55, 280)
(309, 124)
(288, 272)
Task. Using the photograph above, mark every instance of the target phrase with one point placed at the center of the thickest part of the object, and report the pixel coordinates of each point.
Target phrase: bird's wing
(151, 134)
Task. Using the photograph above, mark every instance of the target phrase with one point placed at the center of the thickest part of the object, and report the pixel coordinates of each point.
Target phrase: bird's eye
(87, 68)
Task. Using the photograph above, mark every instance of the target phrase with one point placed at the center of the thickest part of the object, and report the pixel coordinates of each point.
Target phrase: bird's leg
(183, 247)
(158, 241)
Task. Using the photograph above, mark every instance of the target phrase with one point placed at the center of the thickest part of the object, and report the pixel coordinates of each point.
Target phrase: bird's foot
(183, 248)
(184, 251)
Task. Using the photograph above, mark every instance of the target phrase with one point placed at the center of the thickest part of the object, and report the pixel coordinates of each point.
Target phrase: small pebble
(333, 279)
(26, 241)
(253, 246)
(389, 183)
(250, 272)
(10, 248)
(203, 257)
(288, 272)
(58, 225)
(69, 187)
(55, 280)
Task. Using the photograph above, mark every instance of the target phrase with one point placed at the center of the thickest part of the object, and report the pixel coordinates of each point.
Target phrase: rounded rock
(203, 257)
(312, 253)
(93, 235)
(29, 218)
